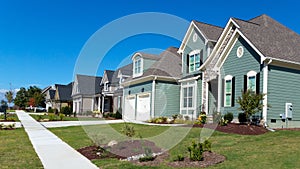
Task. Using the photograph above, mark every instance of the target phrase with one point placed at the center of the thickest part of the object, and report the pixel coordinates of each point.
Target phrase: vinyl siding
(199, 44)
(238, 67)
(167, 99)
(283, 87)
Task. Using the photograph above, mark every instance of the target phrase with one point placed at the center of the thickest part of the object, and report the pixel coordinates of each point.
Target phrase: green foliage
(66, 110)
(9, 95)
(175, 116)
(119, 114)
(229, 117)
(202, 118)
(21, 98)
(159, 120)
(128, 130)
(50, 110)
(179, 157)
(61, 116)
(146, 158)
(250, 103)
(52, 117)
(196, 150)
(242, 117)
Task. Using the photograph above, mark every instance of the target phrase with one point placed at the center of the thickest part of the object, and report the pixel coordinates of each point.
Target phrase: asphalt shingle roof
(271, 38)
(89, 85)
(211, 32)
(64, 91)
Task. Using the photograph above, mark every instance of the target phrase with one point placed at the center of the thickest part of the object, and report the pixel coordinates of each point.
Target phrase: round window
(195, 37)
(240, 51)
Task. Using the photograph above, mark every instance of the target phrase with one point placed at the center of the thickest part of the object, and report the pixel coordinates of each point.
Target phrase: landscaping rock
(112, 143)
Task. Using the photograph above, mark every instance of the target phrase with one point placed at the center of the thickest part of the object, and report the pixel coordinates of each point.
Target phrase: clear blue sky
(40, 40)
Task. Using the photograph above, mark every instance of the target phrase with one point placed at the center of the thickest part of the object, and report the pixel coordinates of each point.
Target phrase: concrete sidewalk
(52, 151)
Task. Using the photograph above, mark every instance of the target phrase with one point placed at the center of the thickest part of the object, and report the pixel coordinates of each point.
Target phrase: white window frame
(249, 75)
(105, 86)
(228, 78)
(135, 60)
(187, 109)
(194, 53)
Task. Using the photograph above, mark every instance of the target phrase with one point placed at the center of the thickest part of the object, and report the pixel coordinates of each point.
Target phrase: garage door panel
(129, 112)
(143, 107)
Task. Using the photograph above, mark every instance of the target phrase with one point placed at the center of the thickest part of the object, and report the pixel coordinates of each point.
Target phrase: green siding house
(152, 90)
(195, 48)
(262, 55)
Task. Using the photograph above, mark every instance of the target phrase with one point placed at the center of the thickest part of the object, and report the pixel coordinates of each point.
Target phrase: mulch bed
(126, 149)
(242, 129)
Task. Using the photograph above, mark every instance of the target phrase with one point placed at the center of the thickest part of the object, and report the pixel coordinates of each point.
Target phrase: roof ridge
(248, 21)
(207, 24)
(87, 75)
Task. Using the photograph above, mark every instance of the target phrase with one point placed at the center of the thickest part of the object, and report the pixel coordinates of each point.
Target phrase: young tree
(250, 103)
(36, 93)
(9, 95)
(21, 99)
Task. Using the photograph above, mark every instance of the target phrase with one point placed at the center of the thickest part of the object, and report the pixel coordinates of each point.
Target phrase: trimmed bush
(242, 118)
(229, 117)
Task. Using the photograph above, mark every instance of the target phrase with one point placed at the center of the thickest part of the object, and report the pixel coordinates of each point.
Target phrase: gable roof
(52, 93)
(168, 65)
(64, 91)
(146, 56)
(211, 32)
(125, 70)
(271, 38)
(208, 31)
(88, 85)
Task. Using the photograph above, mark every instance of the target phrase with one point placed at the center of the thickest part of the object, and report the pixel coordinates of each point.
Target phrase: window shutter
(257, 82)
(201, 57)
(223, 93)
(232, 91)
(245, 83)
(187, 63)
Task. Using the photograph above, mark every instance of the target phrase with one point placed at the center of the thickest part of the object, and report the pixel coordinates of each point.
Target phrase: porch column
(102, 105)
(99, 103)
(265, 91)
(219, 92)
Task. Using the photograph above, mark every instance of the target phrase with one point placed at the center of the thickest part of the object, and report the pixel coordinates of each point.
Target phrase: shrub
(128, 130)
(223, 122)
(50, 110)
(52, 117)
(186, 118)
(175, 116)
(119, 114)
(61, 116)
(66, 111)
(228, 116)
(179, 157)
(242, 117)
(202, 118)
(146, 158)
(207, 145)
(196, 151)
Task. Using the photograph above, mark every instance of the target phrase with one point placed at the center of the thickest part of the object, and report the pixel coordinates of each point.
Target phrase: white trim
(153, 98)
(265, 91)
(196, 100)
(189, 79)
(202, 95)
(219, 93)
(141, 65)
(194, 52)
(228, 77)
(206, 95)
(240, 49)
(222, 61)
(251, 74)
(148, 78)
(193, 108)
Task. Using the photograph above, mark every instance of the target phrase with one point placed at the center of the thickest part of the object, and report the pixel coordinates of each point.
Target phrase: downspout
(265, 91)
(153, 97)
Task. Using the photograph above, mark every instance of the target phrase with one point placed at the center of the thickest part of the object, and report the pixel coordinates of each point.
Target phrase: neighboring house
(258, 54)
(195, 48)
(152, 90)
(63, 96)
(112, 91)
(49, 93)
(86, 93)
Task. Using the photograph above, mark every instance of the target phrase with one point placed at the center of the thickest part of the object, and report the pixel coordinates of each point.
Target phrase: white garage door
(143, 107)
(129, 112)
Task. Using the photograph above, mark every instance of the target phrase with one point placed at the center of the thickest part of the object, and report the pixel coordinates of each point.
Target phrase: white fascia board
(189, 79)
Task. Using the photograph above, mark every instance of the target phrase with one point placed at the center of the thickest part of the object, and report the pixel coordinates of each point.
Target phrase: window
(228, 93)
(194, 62)
(251, 81)
(188, 93)
(137, 66)
(106, 86)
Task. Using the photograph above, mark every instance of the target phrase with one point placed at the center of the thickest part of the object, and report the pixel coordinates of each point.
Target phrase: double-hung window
(228, 93)
(194, 61)
(251, 81)
(188, 93)
(137, 66)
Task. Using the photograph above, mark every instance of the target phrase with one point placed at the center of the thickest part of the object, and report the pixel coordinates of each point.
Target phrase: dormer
(106, 80)
(197, 45)
(142, 62)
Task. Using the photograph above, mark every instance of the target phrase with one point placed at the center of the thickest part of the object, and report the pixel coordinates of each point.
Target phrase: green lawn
(16, 150)
(54, 117)
(280, 149)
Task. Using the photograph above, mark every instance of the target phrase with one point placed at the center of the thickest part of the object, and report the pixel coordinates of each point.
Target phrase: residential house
(197, 45)
(112, 91)
(261, 55)
(49, 93)
(152, 90)
(86, 93)
(63, 96)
